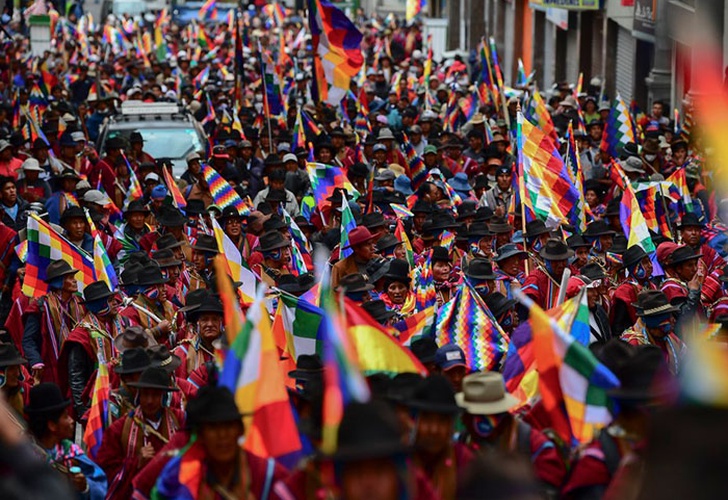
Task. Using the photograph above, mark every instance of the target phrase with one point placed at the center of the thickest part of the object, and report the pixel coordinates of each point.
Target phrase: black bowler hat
(277, 195)
(9, 356)
(165, 258)
(399, 270)
(206, 243)
(154, 378)
(481, 269)
(272, 240)
(653, 303)
(536, 228)
(435, 394)
(134, 360)
(422, 207)
(58, 268)
(424, 349)
(151, 275)
(296, 284)
(168, 242)
(598, 228)
(368, 431)
(499, 304)
(130, 275)
(387, 242)
(443, 220)
(440, 254)
(377, 309)
(690, 220)
(137, 206)
(171, 217)
(45, 398)
(683, 254)
(195, 207)
(633, 255)
(229, 213)
(131, 337)
(308, 366)
(594, 271)
(73, 212)
(274, 224)
(213, 404)
(162, 357)
(555, 249)
(355, 282)
(96, 291)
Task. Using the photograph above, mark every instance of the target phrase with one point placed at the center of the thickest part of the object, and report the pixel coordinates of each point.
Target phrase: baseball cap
(151, 176)
(96, 196)
(290, 157)
(449, 356)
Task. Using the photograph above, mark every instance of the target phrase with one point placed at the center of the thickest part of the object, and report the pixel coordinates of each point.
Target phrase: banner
(568, 4)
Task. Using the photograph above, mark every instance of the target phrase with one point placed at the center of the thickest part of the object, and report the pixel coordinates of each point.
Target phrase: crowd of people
(425, 190)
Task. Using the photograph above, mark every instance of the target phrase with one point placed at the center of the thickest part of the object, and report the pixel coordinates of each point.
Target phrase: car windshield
(168, 142)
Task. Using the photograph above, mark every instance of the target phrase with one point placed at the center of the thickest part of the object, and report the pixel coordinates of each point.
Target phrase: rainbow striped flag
(208, 10)
(361, 121)
(251, 372)
(424, 284)
(21, 250)
(417, 167)
(183, 474)
(235, 267)
(222, 192)
(135, 189)
(99, 415)
(619, 129)
(630, 214)
(300, 246)
(416, 325)
(550, 193)
(178, 199)
(447, 240)
(102, 264)
(348, 224)
(401, 235)
(299, 136)
(465, 314)
(577, 177)
(271, 83)
(337, 51)
(413, 8)
(401, 211)
(46, 245)
(310, 124)
(537, 113)
(325, 178)
(572, 382)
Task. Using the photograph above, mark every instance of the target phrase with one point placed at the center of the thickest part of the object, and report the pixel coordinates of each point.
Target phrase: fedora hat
(368, 431)
(422, 207)
(136, 206)
(683, 253)
(171, 217)
(134, 360)
(509, 250)
(632, 256)
(229, 213)
(355, 282)
(9, 356)
(499, 225)
(96, 291)
(443, 220)
(162, 357)
(536, 228)
(478, 231)
(272, 240)
(154, 378)
(209, 304)
(485, 394)
(165, 258)
(206, 243)
(151, 275)
(633, 164)
(653, 303)
(373, 220)
(435, 394)
(643, 374)
(45, 398)
(594, 271)
(466, 209)
(377, 309)
(73, 212)
(131, 337)
(213, 404)
(193, 300)
(481, 269)
(308, 366)
(274, 223)
(288, 283)
(424, 349)
(499, 304)
(168, 242)
(555, 249)
(377, 268)
(440, 254)
(690, 220)
(399, 270)
(58, 268)
(598, 228)
(387, 242)
(358, 236)
(277, 195)
(195, 207)
(577, 241)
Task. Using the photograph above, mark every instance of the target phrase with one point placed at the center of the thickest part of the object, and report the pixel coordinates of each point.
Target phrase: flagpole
(521, 179)
(266, 106)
